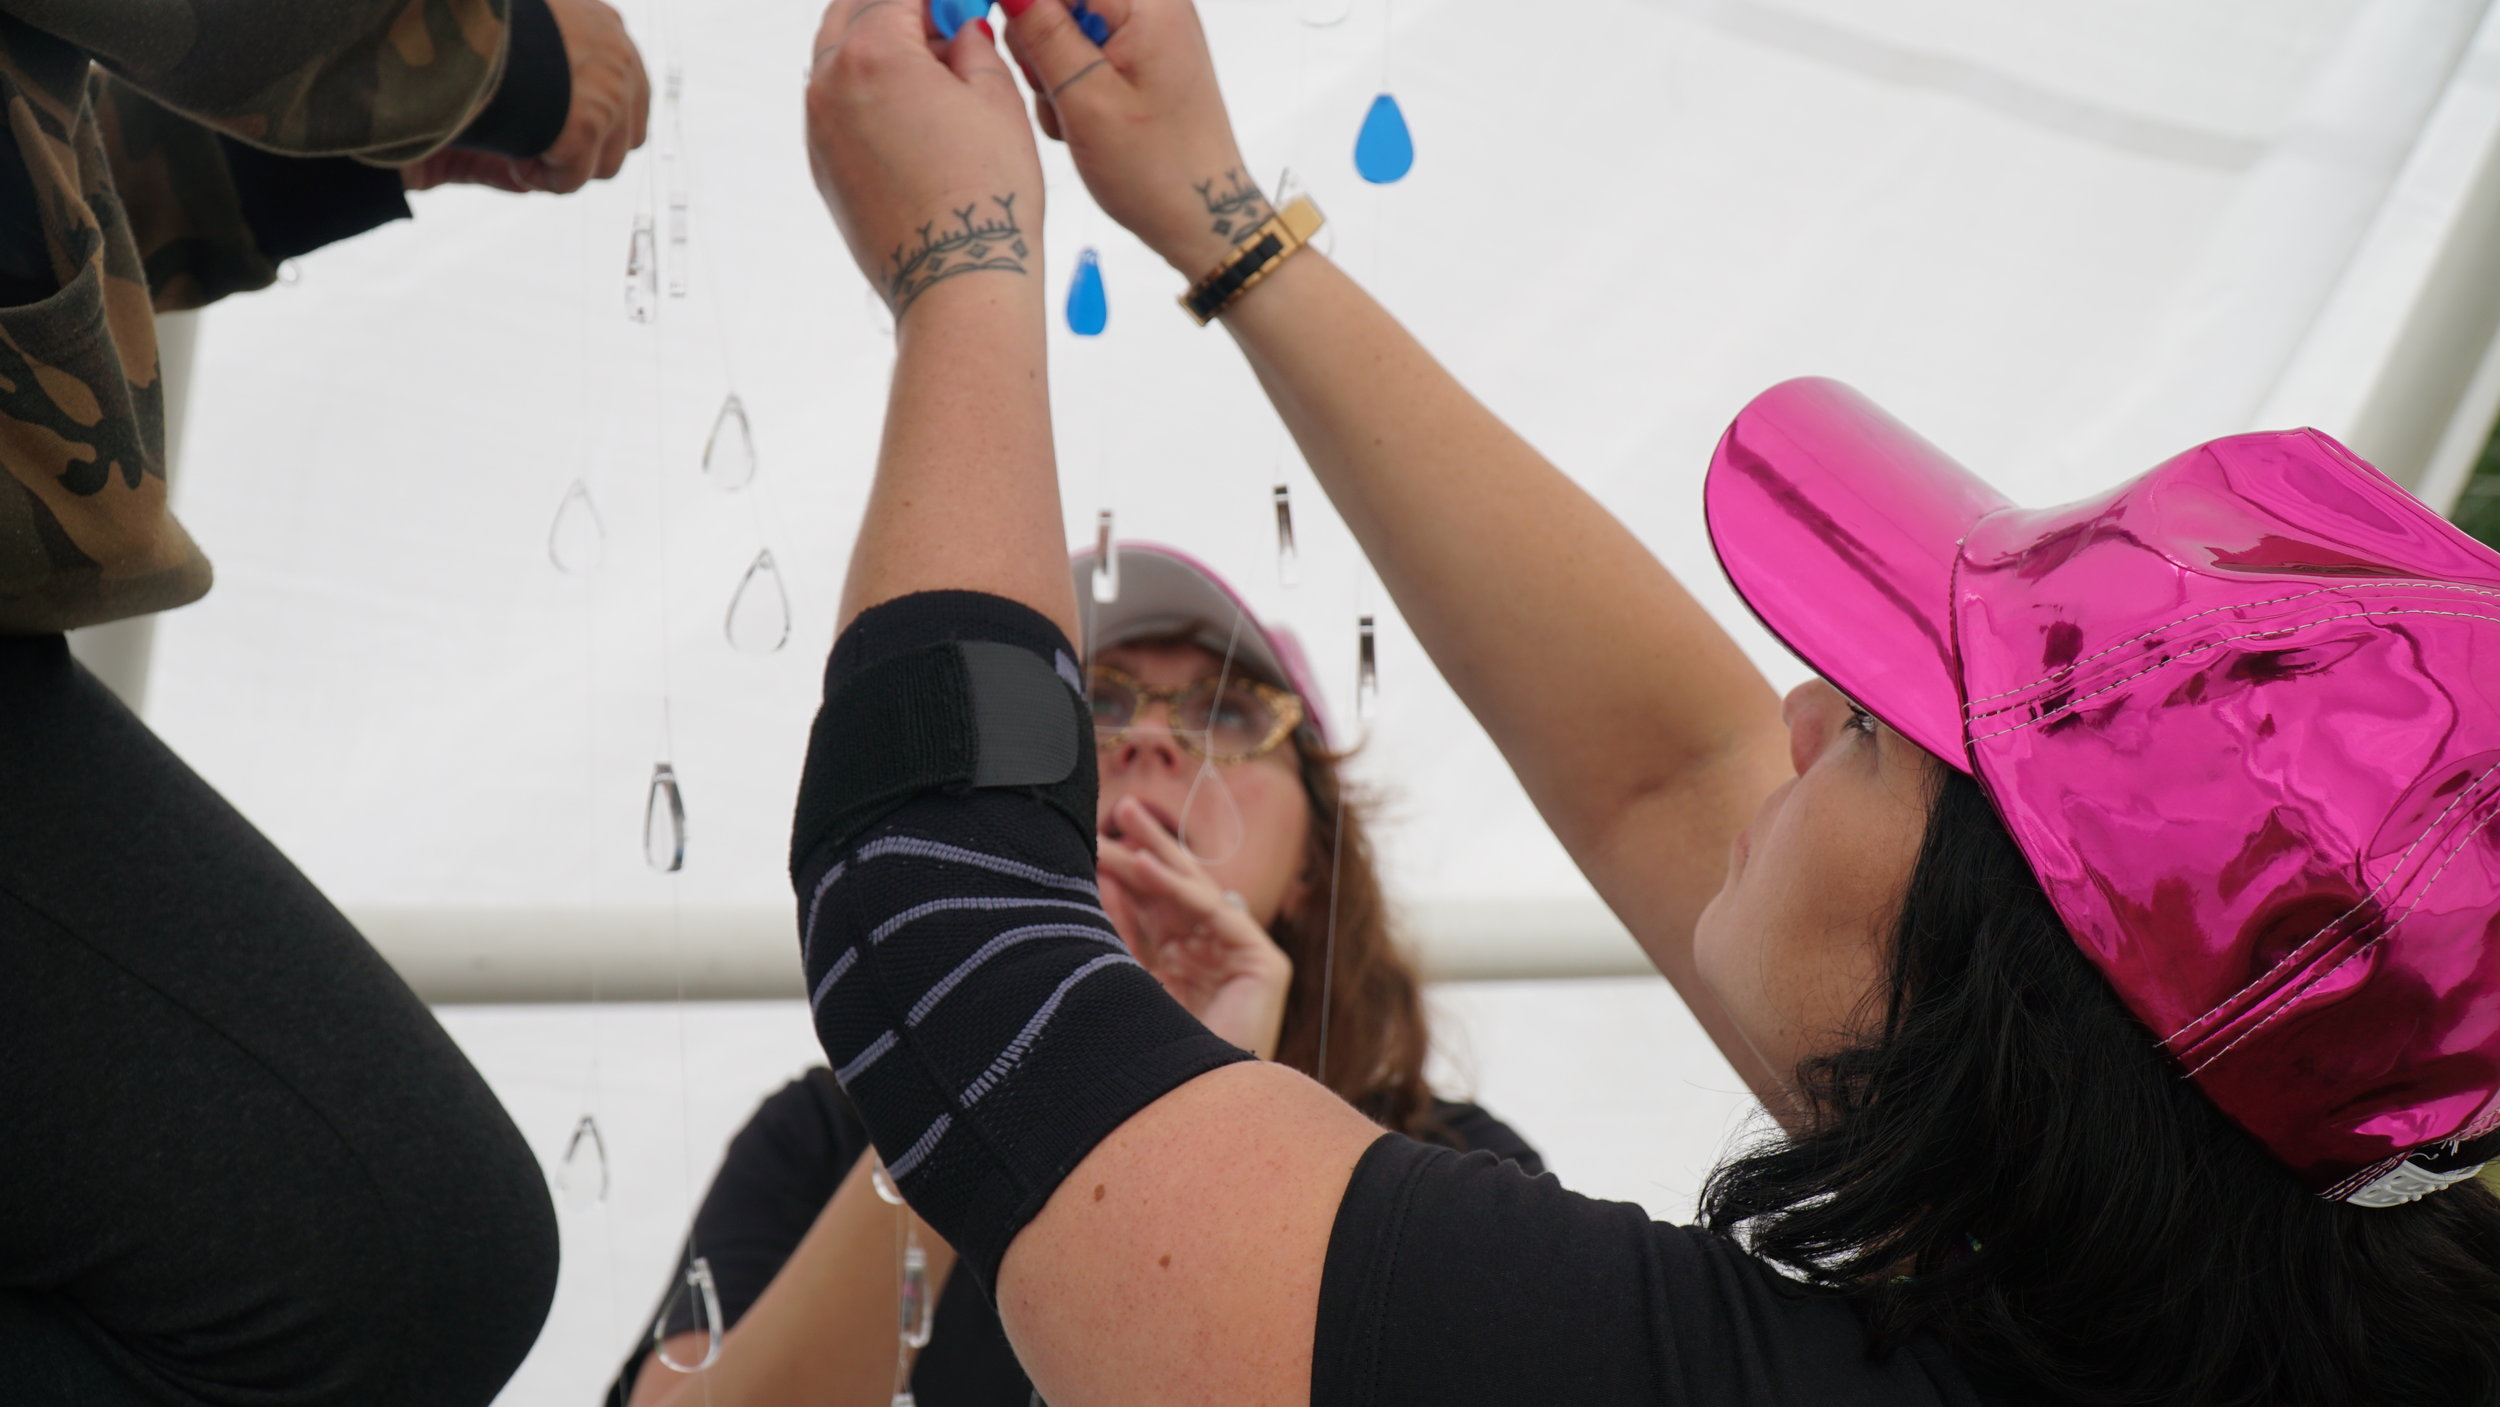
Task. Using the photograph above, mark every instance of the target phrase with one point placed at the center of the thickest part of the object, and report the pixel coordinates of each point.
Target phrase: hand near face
(1197, 940)
(1143, 118)
(921, 150)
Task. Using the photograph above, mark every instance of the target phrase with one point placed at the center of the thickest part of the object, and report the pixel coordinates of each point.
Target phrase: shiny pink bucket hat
(2242, 714)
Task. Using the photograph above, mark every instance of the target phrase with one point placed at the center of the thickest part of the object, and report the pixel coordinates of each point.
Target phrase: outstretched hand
(1145, 121)
(1194, 937)
(921, 149)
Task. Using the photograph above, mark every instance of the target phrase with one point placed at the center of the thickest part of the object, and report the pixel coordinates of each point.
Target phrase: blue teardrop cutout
(1089, 308)
(1386, 150)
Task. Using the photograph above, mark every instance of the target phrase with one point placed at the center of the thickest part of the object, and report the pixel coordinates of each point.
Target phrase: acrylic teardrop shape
(1288, 552)
(1385, 151)
(673, 160)
(1326, 14)
(915, 1306)
(729, 454)
(1212, 827)
(1106, 560)
(697, 1296)
(578, 541)
(582, 1178)
(883, 1181)
(759, 614)
(1367, 672)
(664, 822)
(1089, 305)
(642, 272)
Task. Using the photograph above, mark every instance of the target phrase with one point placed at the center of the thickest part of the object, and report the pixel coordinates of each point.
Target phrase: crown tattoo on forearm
(976, 243)
(1235, 207)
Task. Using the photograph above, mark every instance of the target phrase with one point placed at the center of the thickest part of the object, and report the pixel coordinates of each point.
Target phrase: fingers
(973, 56)
(466, 168)
(1161, 843)
(1114, 13)
(846, 20)
(641, 109)
(1054, 49)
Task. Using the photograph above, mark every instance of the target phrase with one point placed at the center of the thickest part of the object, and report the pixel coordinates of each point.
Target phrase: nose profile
(1812, 711)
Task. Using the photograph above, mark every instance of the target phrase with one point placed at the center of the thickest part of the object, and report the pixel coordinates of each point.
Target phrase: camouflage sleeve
(84, 532)
(211, 216)
(386, 81)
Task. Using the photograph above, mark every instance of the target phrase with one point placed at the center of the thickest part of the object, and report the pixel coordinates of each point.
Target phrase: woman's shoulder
(1470, 1128)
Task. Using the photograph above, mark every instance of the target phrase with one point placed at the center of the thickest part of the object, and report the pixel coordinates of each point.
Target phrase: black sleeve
(527, 113)
(296, 204)
(1460, 1278)
(1472, 1130)
(780, 1172)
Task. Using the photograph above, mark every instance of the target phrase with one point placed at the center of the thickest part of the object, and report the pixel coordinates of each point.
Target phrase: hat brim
(1165, 592)
(1840, 527)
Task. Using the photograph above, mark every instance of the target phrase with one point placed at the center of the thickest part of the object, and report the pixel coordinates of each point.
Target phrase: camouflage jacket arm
(85, 536)
(384, 80)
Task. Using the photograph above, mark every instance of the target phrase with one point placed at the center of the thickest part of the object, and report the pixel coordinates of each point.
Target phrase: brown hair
(1370, 1049)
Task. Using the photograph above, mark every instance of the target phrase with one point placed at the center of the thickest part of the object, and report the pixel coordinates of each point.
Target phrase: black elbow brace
(967, 986)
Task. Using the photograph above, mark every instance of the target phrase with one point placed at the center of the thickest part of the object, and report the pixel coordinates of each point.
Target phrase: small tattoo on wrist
(1235, 208)
(977, 242)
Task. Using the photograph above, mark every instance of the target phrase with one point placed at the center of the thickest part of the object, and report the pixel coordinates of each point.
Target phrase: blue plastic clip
(1095, 26)
(952, 15)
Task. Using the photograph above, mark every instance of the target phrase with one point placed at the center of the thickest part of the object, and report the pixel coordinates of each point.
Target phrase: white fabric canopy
(2064, 240)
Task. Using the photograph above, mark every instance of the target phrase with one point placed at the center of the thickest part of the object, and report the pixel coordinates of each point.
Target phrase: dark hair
(1378, 1035)
(2010, 1165)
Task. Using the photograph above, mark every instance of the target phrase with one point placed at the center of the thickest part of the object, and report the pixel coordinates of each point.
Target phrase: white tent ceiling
(2065, 240)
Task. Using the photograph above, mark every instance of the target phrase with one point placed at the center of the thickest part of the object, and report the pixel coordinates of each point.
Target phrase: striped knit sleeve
(969, 991)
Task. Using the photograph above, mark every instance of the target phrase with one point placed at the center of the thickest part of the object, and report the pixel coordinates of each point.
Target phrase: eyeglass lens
(1230, 720)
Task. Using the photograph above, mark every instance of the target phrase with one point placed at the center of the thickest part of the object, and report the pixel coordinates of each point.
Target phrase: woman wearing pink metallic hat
(2115, 935)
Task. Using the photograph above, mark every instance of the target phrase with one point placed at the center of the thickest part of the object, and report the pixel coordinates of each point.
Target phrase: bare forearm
(1603, 681)
(967, 495)
(823, 1334)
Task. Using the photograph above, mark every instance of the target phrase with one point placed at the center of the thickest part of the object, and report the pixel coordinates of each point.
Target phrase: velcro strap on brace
(948, 715)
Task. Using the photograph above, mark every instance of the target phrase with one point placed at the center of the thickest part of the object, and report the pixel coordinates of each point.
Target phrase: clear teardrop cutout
(696, 1300)
(1288, 553)
(883, 1181)
(577, 541)
(758, 622)
(582, 1178)
(664, 822)
(1106, 560)
(915, 1306)
(673, 159)
(729, 453)
(642, 272)
(1367, 672)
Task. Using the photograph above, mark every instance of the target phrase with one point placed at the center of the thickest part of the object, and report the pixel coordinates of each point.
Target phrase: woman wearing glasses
(1234, 863)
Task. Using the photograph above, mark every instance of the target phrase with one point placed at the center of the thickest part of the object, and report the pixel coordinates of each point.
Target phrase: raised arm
(1150, 1207)
(1637, 725)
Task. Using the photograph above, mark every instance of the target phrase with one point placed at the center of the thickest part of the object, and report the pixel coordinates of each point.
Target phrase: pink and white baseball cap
(1164, 593)
(2242, 714)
